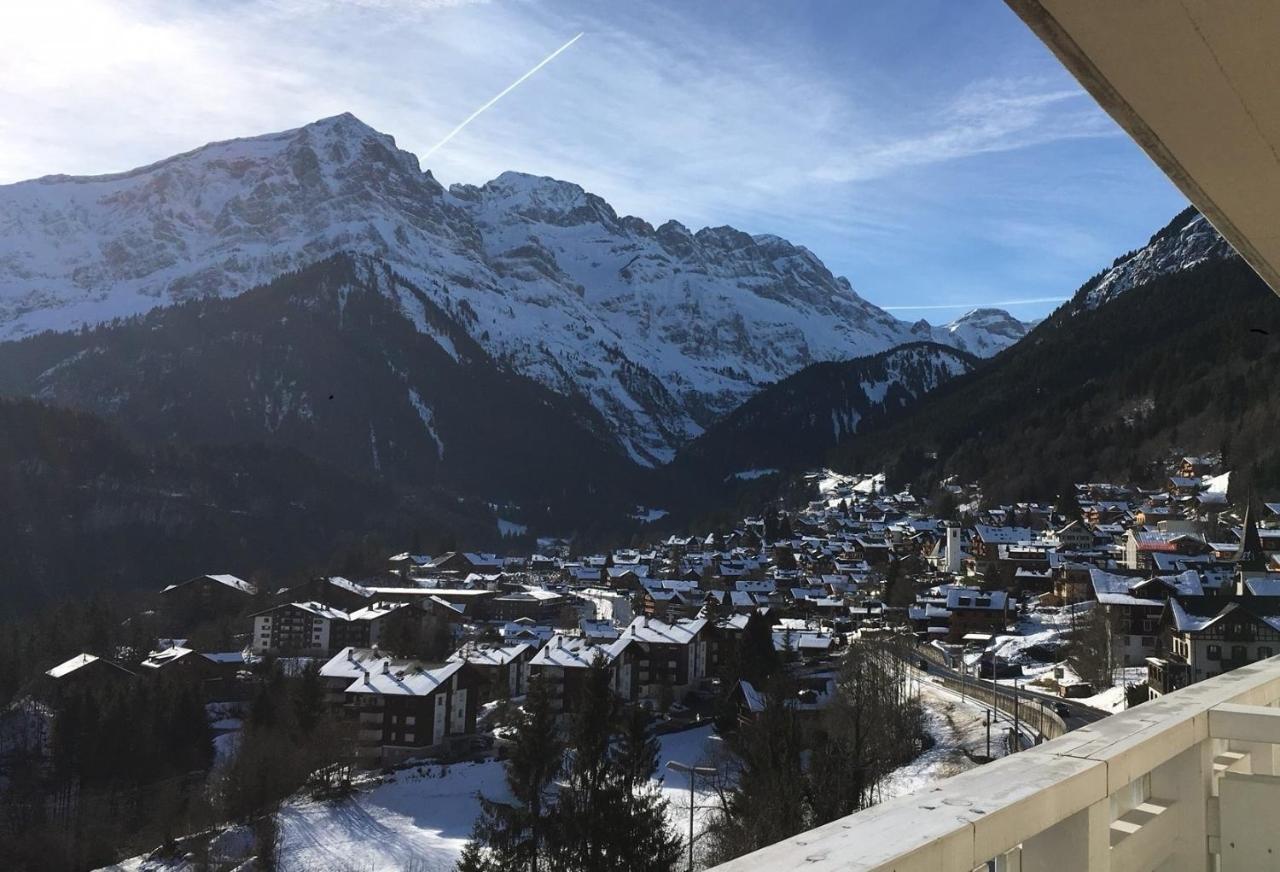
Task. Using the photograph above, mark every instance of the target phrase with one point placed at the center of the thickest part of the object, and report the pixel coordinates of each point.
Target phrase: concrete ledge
(1245, 723)
(966, 820)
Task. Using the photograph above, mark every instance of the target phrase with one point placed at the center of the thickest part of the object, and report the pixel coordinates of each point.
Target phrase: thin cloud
(987, 305)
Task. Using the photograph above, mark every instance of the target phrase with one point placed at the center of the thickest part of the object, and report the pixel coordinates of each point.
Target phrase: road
(1080, 714)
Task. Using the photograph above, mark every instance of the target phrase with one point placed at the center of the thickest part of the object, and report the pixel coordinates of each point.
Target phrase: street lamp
(691, 771)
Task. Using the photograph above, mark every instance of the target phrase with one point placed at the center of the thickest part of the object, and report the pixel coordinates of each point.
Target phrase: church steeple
(1249, 556)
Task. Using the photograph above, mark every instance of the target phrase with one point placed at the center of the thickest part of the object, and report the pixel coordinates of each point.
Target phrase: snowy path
(959, 734)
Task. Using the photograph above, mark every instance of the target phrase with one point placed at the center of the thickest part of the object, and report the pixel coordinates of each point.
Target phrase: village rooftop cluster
(1177, 586)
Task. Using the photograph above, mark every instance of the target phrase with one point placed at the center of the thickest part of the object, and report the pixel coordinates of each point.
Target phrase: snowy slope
(1187, 241)
(662, 329)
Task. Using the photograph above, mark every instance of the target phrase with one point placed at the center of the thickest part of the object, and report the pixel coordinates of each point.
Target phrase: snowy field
(419, 819)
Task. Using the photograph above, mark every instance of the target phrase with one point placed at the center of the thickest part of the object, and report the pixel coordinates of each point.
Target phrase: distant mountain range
(300, 344)
(661, 330)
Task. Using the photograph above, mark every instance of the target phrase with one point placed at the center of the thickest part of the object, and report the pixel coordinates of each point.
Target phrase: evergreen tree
(757, 657)
(1067, 505)
(308, 699)
(515, 833)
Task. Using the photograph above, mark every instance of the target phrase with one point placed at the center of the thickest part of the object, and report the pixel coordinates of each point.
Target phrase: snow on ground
(835, 486)
(418, 819)
(511, 528)
(693, 748)
(959, 733)
(752, 474)
(648, 516)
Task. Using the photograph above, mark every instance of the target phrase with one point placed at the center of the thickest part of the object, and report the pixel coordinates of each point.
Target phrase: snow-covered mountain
(661, 329)
(982, 332)
(1185, 242)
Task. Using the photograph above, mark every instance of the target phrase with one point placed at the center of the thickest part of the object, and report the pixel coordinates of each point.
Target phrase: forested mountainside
(661, 330)
(88, 511)
(1187, 360)
(792, 425)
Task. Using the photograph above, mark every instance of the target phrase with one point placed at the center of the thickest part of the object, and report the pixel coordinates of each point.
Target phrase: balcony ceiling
(1196, 83)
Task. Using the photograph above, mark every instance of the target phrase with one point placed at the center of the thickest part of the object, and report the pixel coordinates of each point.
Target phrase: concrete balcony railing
(1189, 781)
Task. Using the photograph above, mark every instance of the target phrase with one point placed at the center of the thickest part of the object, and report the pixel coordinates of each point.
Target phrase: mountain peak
(982, 314)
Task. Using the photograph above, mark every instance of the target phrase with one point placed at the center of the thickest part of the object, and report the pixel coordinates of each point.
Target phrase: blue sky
(933, 152)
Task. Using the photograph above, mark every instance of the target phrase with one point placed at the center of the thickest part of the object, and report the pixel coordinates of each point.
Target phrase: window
(410, 721)
(408, 737)
(1263, 652)
(1214, 652)
(1239, 652)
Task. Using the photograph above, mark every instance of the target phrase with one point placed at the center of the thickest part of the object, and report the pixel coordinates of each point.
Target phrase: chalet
(1133, 607)
(562, 665)
(526, 630)
(1195, 467)
(463, 563)
(502, 670)
(797, 640)
(302, 628)
(975, 611)
(207, 596)
(984, 545)
(656, 659)
(408, 565)
(530, 602)
(1105, 512)
(1140, 545)
(84, 671)
(336, 591)
(406, 710)
(812, 694)
(1202, 637)
(1076, 536)
(465, 602)
(183, 663)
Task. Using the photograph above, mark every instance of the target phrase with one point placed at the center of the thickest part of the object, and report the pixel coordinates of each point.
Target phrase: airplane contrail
(979, 305)
(504, 92)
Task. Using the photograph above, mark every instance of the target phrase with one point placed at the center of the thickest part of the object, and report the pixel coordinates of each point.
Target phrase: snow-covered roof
(1112, 589)
(1263, 586)
(349, 586)
(231, 581)
(488, 655)
(1004, 535)
(572, 652)
(375, 611)
(62, 670)
(654, 631)
(409, 680)
(158, 659)
(968, 598)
